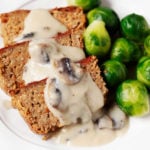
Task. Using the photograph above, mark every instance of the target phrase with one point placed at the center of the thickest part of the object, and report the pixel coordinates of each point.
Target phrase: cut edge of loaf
(73, 37)
(95, 72)
(12, 61)
(31, 105)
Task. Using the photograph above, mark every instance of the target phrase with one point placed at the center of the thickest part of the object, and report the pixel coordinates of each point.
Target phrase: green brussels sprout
(107, 15)
(85, 4)
(134, 27)
(143, 70)
(147, 45)
(125, 51)
(132, 97)
(96, 39)
(113, 72)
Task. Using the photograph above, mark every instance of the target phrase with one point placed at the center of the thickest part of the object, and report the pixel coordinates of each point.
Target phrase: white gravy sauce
(92, 134)
(70, 93)
(42, 52)
(87, 135)
(78, 102)
(40, 24)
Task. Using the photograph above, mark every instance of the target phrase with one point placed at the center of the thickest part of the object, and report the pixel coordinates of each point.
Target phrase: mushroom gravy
(77, 102)
(40, 24)
(70, 93)
(43, 53)
(87, 135)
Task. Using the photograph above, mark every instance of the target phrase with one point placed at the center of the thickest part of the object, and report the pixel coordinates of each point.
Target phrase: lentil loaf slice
(32, 107)
(13, 59)
(12, 23)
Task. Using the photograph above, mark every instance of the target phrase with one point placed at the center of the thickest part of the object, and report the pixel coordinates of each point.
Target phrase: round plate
(138, 134)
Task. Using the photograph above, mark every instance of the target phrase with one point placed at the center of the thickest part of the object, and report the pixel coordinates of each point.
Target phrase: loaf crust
(12, 62)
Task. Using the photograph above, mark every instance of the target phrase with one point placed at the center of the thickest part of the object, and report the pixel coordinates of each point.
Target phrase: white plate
(138, 134)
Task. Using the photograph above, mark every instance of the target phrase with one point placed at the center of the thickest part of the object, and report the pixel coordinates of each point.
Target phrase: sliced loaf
(32, 107)
(12, 23)
(13, 59)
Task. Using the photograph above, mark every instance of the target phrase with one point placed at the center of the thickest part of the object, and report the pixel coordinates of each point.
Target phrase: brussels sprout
(96, 39)
(132, 97)
(107, 15)
(134, 27)
(143, 70)
(125, 50)
(85, 4)
(147, 45)
(113, 72)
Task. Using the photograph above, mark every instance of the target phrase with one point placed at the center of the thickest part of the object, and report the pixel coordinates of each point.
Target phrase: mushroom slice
(42, 51)
(45, 55)
(55, 95)
(105, 122)
(118, 117)
(47, 51)
(70, 72)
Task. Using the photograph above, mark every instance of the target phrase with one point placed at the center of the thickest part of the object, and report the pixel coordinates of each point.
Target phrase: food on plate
(143, 70)
(10, 72)
(147, 45)
(114, 72)
(13, 59)
(108, 15)
(134, 27)
(125, 50)
(97, 40)
(133, 98)
(16, 25)
(47, 104)
(60, 90)
(85, 4)
(51, 82)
